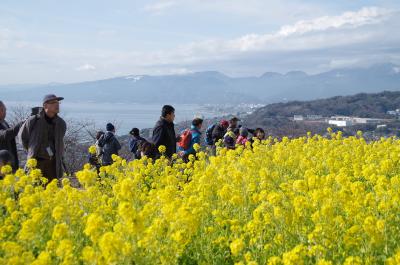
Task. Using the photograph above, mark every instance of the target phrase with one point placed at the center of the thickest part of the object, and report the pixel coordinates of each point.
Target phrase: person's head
(51, 105)
(135, 132)
(5, 158)
(259, 133)
(99, 134)
(3, 111)
(110, 127)
(233, 122)
(224, 124)
(168, 113)
(36, 110)
(243, 132)
(148, 149)
(197, 122)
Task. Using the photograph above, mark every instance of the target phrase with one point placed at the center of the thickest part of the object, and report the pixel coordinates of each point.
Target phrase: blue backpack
(208, 138)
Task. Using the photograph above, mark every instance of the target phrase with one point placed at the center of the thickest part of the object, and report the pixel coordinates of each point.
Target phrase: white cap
(198, 116)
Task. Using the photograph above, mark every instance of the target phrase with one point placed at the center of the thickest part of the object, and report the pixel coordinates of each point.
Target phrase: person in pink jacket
(242, 139)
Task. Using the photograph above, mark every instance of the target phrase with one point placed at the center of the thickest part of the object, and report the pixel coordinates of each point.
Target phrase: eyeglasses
(53, 102)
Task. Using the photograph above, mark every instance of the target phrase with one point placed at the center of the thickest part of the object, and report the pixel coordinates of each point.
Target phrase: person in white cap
(42, 135)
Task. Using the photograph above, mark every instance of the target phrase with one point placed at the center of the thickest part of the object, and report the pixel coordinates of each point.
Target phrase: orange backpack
(186, 138)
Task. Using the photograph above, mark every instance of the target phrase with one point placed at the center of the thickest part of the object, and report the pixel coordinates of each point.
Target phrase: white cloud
(354, 36)
(339, 63)
(348, 20)
(179, 71)
(86, 67)
(160, 6)
(365, 16)
(260, 11)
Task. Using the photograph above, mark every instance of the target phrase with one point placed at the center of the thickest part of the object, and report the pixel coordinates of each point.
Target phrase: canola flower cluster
(310, 200)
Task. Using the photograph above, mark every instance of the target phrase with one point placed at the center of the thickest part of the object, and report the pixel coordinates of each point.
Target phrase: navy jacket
(110, 146)
(134, 143)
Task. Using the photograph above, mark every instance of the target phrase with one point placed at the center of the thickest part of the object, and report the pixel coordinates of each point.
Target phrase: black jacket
(110, 146)
(218, 133)
(7, 142)
(164, 134)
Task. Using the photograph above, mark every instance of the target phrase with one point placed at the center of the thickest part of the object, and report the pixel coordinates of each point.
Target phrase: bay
(124, 116)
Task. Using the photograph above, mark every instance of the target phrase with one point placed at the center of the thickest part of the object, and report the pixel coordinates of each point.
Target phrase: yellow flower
(60, 231)
(44, 258)
(111, 247)
(88, 254)
(353, 261)
(324, 262)
(65, 248)
(7, 169)
(236, 246)
(162, 149)
(92, 150)
(31, 163)
(196, 147)
(299, 201)
(58, 213)
(274, 261)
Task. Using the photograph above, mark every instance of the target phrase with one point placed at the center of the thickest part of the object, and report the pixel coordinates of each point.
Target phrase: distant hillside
(214, 87)
(277, 118)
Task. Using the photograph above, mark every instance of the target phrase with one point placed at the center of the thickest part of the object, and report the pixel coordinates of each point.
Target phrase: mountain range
(214, 87)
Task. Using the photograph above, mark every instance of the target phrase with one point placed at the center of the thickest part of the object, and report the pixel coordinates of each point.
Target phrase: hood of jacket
(164, 122)
(107, 137)
(194, 128)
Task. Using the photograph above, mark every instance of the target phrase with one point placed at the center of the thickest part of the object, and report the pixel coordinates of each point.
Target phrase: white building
(298, 118)
(341, 118)
(367, 120)
(340, 123)
(314, 117)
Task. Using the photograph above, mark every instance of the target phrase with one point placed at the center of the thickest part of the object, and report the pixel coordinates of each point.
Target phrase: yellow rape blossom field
(310, 200)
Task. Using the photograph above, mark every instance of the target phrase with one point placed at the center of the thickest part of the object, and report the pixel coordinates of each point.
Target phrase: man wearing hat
(42, 135)
(233, 123)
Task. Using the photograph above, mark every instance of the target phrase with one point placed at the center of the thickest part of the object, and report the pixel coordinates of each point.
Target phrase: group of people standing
(42, 136)
(227, 133)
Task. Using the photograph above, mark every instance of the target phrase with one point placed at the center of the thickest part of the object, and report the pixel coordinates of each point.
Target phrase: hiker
(109, 144)
(95, 159)
(233, 123)
(242, 139)
(164, 131)
(5, 159)
(99, 149)
(134, 143)
(230, 138)
(148, 150)
(42, 135)
(7, 136)
(189, 138)
(219, 131)
(259, 134)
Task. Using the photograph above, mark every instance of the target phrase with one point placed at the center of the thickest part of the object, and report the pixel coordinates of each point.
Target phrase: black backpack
(209, 131)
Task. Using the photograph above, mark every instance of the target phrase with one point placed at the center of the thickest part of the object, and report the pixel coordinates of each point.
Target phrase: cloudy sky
(46, 41)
